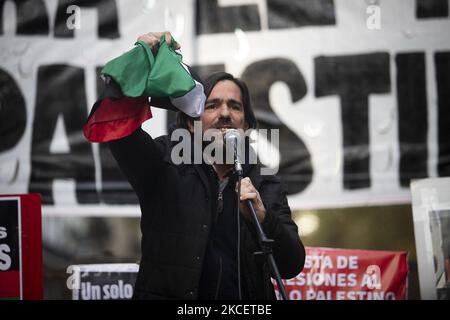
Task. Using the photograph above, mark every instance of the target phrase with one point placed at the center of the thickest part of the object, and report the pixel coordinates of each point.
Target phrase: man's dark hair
(209, 83)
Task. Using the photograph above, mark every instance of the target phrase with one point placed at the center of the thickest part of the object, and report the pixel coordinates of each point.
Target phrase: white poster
(431, 215)
(357, 90)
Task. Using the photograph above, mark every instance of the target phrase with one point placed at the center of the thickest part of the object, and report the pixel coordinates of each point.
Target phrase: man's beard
(215, 144)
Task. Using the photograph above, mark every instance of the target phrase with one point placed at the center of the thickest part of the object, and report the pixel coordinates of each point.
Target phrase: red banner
(343, 274)
(20, 247)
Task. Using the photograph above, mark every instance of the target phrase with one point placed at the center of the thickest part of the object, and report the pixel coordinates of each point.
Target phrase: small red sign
(20, 247)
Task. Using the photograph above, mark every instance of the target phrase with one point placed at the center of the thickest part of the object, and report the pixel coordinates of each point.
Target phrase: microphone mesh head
(231, 135)
(233, 139)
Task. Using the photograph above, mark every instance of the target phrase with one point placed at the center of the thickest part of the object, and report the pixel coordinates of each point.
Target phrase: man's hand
(249, 192)
(152, 39)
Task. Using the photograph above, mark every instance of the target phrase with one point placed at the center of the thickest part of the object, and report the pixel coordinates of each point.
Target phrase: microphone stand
(265, 243)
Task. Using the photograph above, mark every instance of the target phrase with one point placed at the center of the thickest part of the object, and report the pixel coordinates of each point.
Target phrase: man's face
(224, 108)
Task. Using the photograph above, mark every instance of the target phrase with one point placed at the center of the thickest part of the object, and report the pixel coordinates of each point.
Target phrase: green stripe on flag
(139, 73)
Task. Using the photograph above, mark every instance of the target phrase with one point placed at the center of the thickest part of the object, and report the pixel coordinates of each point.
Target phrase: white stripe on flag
(193, 102)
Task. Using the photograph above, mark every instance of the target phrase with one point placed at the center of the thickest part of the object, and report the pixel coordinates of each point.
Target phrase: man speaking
(194, 245)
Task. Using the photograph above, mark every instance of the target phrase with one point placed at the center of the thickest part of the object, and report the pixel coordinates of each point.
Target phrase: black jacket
(176, 203)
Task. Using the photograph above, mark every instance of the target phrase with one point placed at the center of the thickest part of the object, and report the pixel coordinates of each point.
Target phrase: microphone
(233, 139)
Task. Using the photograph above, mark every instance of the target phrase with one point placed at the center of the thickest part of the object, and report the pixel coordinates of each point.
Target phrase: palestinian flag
(137, 80)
